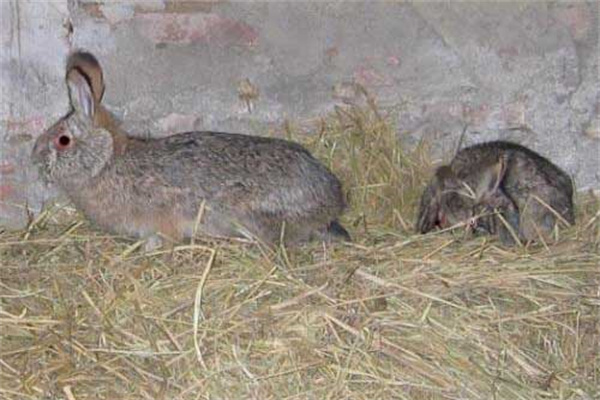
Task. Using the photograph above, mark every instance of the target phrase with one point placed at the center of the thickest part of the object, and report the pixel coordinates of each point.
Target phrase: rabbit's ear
(430, 207)
(446, 179)
(89, 66)
(491, 181)
(80, 94)
(444, 175)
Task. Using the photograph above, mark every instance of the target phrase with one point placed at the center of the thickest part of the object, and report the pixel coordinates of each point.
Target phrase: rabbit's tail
(337, 231)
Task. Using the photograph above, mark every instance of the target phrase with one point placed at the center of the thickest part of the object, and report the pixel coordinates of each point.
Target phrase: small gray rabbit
(498, 187)
(218, 184)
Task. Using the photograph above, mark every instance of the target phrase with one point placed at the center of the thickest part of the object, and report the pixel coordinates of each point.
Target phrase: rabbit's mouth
(44, 178)
(42, 173)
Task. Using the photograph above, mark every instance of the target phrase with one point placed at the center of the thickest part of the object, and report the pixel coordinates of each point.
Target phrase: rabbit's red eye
(63, 141)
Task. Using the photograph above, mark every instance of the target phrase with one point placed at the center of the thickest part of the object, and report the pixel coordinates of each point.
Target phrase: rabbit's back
(526, 189)
(537, 187)
(267, 172)
(524, 166)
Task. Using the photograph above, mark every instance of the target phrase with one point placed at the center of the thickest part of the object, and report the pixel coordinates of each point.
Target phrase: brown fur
(503, 178)
(103, 119)
(249, 186)
(91, 69)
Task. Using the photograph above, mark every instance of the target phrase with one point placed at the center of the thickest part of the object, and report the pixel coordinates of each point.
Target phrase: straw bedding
(393, 315)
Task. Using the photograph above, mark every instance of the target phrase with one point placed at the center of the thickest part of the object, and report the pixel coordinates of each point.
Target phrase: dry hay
(394, 315)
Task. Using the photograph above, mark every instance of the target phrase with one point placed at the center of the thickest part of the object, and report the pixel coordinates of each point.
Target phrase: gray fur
(500, 177)
(246, 186)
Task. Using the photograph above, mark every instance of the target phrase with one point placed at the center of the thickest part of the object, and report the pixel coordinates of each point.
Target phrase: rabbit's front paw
(153, 243)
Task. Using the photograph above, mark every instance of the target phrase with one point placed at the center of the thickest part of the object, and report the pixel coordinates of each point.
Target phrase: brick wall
(526, 72)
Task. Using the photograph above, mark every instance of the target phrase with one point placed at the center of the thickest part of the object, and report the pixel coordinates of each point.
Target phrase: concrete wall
(522, 71)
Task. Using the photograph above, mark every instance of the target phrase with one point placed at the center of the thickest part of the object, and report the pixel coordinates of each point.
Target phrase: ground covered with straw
(393, 315)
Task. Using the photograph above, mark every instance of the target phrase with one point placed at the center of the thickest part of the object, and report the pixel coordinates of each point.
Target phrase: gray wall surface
(526, 72)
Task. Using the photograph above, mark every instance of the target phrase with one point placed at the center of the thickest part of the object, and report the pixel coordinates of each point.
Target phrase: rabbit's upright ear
(428, 210)
(89, 66)
(445, 177)
(80, 94)
(491, 180)
(430, 207)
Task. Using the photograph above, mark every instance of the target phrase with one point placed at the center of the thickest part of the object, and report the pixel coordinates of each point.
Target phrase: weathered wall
(527, 72)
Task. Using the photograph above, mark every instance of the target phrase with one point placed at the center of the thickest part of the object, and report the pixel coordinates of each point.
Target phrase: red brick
(6, 191)
(6, 168)
(193, 28)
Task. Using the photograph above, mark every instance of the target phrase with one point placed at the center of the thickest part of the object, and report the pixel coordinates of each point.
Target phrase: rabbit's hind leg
(508, 229)
(317, 231)
(215, 223)
(336, 232)
(272, 230)
(155, 228)
(259, 227)
(537, 221)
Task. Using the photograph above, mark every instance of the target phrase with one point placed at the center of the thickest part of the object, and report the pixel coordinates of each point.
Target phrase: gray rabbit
(498, 187)
(219, 184)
